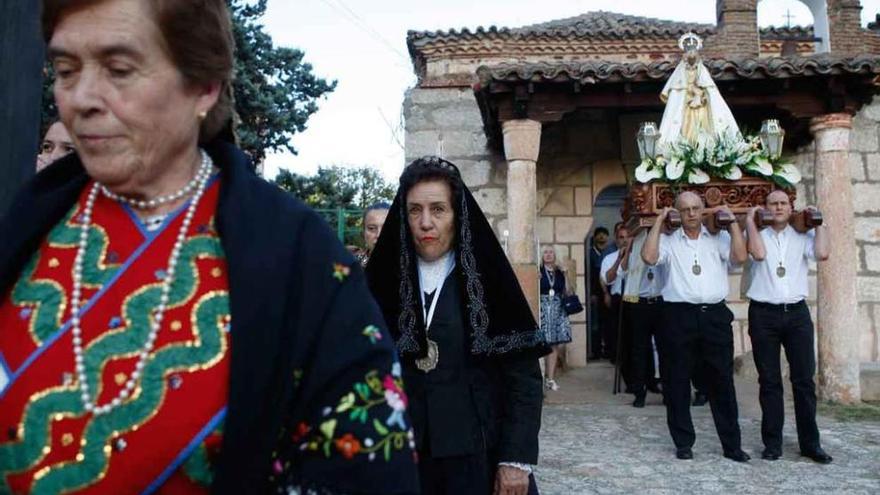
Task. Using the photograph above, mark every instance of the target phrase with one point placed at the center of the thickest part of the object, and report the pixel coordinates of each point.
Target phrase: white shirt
(652, 286)
(679, 254)
(791, 250)
(616, 287)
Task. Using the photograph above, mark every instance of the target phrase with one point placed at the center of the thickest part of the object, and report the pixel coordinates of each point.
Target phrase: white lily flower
(762, 166)
(674, 169)
(735, 173)
(645, 172)
(698, 176)
(790, 173)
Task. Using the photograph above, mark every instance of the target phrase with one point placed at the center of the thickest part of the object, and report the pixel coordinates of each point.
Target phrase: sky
(362, 45)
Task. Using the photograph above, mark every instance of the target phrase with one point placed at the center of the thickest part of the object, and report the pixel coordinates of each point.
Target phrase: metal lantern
(772, 136)
(647, 138)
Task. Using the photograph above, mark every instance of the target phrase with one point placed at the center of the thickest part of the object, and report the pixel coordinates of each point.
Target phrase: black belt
(651, 300)
(784, 307)
(702, 307)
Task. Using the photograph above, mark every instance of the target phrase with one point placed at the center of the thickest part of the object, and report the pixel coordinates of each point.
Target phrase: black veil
(496, 311)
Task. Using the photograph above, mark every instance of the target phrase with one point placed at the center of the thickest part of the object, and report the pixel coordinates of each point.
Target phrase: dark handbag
(572, 305)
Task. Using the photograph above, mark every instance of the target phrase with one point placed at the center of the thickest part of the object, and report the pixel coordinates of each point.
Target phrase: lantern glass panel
(772, 137)
(647, 138)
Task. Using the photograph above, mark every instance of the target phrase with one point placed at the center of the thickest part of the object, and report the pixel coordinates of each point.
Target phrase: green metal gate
(348, 224)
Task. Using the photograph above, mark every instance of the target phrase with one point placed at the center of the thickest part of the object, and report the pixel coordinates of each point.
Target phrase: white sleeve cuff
(522, 467)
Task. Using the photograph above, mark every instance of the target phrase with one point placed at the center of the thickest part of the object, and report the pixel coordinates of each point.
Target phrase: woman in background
(554, 322)
(56, 144)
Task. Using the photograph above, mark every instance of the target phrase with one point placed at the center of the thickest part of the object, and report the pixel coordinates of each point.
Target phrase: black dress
(481, 405)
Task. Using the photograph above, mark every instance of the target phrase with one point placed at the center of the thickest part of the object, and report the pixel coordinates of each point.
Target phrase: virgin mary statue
(695, 110)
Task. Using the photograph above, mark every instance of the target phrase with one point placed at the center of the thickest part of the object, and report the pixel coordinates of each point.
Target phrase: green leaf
(346, 403)
(328, 428)
(380, 427)
(362, 390)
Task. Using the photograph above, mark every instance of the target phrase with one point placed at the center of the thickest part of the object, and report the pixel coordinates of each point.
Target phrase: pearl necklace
(203, 172)
(89, 403)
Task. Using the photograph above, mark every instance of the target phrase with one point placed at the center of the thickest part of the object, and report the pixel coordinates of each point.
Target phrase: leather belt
(784, 307)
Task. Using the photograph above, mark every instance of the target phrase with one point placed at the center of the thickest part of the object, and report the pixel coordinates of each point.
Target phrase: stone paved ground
(595, 443)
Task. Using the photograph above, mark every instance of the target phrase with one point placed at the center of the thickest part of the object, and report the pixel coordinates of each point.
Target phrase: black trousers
(644, 321)
(608, 329)
(788, 326)
(693, 333)
(463, 475)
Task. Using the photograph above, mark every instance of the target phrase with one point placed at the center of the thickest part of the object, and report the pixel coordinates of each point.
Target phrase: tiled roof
(598, 24)
(720, 69)
(612, 24)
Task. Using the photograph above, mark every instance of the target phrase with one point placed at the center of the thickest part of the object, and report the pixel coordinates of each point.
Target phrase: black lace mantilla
(497, 312)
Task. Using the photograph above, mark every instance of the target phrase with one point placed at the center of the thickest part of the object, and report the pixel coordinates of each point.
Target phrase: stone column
(522, 142)
(837, 322)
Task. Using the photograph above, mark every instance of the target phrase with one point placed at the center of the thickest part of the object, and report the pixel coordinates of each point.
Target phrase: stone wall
(447, 122)
(864, 161)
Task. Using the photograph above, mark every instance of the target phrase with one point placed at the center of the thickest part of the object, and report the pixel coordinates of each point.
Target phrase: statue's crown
(690, 42)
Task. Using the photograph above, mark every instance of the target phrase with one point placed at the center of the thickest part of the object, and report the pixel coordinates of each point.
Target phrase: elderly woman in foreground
(169, 322)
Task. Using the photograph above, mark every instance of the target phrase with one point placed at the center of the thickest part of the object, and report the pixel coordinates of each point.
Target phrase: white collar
(782, 233)
(703, 232)
(433, 273)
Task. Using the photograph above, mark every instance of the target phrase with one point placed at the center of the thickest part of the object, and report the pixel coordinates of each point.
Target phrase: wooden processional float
(699, 148)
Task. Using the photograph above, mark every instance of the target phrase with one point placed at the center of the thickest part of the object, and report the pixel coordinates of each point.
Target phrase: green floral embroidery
(340, 271)
(367, 401)
(373, 333)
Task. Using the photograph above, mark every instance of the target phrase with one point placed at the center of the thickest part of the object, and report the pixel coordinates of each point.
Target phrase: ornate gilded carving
(646, 200)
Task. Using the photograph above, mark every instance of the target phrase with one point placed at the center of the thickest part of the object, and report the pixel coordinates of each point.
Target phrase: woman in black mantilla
(468, 341)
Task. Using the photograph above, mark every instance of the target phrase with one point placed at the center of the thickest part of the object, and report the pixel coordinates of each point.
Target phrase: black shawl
(497, 312)
(299, 305)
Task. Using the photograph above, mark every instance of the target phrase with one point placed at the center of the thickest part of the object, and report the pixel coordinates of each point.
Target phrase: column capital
(522, 139)
(830, 121)
(831, 132)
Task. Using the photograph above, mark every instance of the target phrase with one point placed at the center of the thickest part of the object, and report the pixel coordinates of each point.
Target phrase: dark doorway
(606, 213)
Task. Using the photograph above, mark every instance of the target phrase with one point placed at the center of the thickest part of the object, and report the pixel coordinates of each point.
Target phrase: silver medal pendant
(780, 271)
(429, 362)
(697, 269)
(552, 292)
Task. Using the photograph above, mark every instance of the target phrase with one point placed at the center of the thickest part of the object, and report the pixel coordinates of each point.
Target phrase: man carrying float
(696, 163)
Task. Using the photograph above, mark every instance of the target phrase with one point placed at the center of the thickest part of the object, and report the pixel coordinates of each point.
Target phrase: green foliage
(49, 112)
(338, 187)
(340, 194)
(275, 91)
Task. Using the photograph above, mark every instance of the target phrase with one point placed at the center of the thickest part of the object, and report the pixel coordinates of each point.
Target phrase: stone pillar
(522, 142)
(837, 322)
